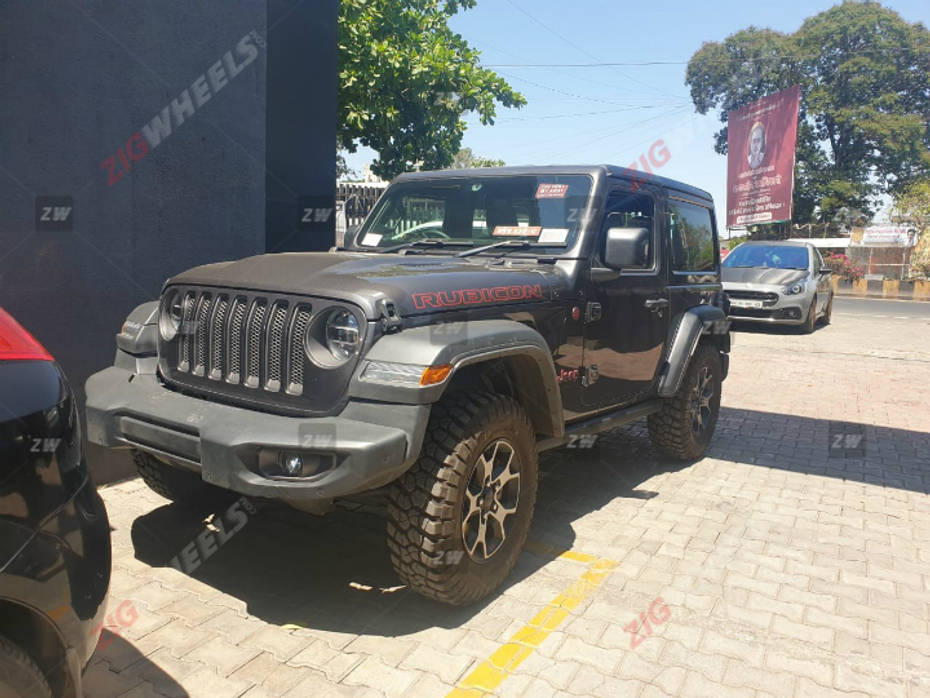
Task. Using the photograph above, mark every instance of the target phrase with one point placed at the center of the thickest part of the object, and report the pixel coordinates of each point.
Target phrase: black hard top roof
(537, 170)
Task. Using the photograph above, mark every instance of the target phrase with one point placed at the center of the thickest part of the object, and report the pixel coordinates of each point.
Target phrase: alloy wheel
(701, 396)
(491, 498)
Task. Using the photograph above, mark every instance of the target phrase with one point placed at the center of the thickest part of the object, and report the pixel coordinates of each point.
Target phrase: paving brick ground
(785, 571)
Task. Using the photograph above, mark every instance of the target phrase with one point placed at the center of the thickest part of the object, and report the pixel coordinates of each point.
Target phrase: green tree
(864, 127)
(465, 158)
(406, 80)
(912, 207)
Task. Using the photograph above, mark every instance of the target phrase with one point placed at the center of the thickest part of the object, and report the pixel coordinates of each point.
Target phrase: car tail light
(16, 344)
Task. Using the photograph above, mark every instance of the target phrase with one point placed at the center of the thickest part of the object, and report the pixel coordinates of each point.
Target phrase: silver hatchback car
(778, 282)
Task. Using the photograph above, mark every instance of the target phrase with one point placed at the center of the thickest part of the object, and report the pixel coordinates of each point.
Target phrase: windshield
(481, 210)
(768, 257)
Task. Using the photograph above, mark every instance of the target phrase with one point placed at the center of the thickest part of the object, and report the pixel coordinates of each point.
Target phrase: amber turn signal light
(435, 374)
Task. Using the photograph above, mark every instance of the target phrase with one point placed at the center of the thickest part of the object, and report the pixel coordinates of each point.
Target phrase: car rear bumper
(366, 446)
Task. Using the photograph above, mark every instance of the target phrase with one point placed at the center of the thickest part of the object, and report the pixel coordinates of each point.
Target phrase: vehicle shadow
(764, 328)
(333, 573)
(105, 675)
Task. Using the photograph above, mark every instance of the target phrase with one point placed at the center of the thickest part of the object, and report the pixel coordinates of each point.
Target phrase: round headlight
(342, 334)
(795, 289)
(169, 317)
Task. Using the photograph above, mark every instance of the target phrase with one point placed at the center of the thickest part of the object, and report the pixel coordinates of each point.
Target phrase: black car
(54, 532)
(477, 318)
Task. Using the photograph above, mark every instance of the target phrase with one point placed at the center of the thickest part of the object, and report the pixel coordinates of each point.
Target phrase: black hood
(415, 283)
(758, 275)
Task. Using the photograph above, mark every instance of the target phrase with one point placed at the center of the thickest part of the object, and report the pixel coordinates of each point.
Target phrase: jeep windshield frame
(547, 211)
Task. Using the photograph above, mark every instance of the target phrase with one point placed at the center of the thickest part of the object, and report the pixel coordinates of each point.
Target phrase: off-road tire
(670, 429)
(20, 676)
(178, 485)
(810, 323)
(425, 506)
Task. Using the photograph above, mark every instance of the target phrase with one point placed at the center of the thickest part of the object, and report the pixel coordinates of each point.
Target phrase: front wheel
(828, 313)
(684, 426)
(458, 519)
(20, 676)
(811, 322)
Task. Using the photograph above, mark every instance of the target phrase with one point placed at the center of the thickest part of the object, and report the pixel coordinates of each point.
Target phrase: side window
(692, 236)
(818, 259)
(626, 210)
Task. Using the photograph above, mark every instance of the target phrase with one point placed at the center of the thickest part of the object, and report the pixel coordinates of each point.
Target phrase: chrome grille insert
(245, 345)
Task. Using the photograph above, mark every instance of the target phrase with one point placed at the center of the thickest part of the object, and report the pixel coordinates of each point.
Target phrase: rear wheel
(176, 484)
(20, 676)
(684, 426)
(458, 519)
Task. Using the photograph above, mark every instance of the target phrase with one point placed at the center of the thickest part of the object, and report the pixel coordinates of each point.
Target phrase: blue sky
(613, 115)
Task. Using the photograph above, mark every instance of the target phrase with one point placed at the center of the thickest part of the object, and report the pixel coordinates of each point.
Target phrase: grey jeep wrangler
(476, 318)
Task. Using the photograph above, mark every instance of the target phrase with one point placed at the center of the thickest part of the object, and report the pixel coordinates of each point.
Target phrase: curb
(890, 289)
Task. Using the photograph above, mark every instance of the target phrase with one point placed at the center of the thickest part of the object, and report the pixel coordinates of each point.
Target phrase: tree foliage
(465, 158)
(864, 127)
(406, 80)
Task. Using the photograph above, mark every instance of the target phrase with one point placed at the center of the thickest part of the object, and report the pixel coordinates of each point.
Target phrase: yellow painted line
(555, 551)
(488, 675)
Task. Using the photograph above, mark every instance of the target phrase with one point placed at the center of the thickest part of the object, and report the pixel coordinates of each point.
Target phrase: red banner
(760, 159)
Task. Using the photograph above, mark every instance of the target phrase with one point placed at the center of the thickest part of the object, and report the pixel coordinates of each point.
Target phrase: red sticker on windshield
(516, 231)
(551, 191)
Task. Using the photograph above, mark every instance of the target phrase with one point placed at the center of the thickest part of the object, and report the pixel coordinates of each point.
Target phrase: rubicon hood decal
(415, 284)
(475, 296)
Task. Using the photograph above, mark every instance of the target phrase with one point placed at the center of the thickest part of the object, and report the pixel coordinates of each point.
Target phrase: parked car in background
(54, 531)
(785, 283)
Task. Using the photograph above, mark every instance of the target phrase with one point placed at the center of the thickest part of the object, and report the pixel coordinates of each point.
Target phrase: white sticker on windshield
(529, 231)
(553, 236)
(372, 239)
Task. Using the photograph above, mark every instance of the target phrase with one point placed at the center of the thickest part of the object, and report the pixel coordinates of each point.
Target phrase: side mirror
(825, 271)
(627, 247)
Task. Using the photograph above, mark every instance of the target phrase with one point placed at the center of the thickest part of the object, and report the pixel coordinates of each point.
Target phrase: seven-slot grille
(233, 338)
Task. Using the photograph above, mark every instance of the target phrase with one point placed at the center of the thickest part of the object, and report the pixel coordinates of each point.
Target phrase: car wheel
(828, 312)
(811, 322)
(20, 676)
(684, 426)
(178, 485)
(458, 519)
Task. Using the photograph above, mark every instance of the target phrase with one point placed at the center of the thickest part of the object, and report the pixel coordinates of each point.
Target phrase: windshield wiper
(514, 244)
(429, 242)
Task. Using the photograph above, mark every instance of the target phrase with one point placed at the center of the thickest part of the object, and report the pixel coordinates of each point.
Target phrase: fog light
(291, 464)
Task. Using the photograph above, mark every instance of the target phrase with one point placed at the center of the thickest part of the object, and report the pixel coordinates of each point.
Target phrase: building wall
(81, 85)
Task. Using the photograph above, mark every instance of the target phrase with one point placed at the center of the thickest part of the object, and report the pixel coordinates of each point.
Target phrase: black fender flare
(462, 344)
(692, 324)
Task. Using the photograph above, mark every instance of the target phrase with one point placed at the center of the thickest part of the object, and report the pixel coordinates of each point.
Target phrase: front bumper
(783, 310)
(368, 444)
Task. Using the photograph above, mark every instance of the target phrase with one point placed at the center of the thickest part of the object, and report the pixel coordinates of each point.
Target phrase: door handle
(655, 304)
